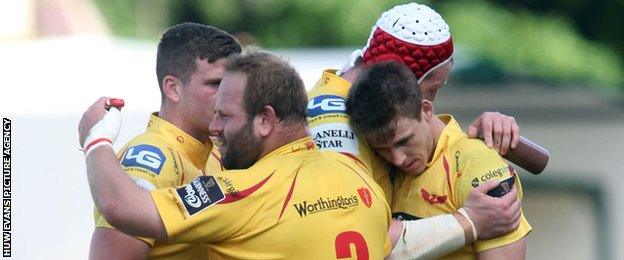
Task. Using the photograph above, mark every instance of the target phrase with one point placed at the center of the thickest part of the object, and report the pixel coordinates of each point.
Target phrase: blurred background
(556, 66)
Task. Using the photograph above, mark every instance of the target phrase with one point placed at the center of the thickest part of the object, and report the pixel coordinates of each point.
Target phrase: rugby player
(413, 34)
(176, 147)
(441, 163)
(285, 191)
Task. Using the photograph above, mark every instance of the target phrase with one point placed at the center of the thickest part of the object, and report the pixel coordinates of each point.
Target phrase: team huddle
(241, 163)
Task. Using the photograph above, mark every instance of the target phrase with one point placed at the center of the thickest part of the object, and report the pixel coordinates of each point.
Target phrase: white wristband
(429, 238)
(104, 131)
(474, 228)
(97, 143)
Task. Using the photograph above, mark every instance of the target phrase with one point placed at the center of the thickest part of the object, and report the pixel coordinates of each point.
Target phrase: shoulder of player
(290, 163)
(333, 156)
(153, 159)
(347, 162)
(150, 138)
(470, 148)
(256, 181)
(472, 158)
(321, 88)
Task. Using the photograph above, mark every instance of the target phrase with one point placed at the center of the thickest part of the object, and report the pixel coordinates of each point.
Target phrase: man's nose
(398, 157)
(216, 126)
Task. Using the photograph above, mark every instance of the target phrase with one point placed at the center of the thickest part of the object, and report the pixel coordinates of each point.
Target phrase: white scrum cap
(411, 33)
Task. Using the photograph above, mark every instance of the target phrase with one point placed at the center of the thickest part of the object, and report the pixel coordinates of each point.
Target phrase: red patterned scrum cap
(413, 34)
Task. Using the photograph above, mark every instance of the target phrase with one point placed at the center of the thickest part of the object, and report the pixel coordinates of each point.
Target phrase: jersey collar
(451, 133)
(330, 78)
(194, 149)
(303, 144)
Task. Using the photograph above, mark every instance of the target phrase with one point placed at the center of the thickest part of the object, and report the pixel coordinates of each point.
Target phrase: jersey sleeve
(482, 164)
(150, 166)
(210, 208)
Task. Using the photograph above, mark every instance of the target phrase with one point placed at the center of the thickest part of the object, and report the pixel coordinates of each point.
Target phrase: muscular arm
(123, 204)
(515, 250)
(430, 237)
(437, 236)
(108, 243)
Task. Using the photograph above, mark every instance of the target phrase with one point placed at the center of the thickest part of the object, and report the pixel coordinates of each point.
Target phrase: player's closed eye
(402, 142)
(213, 83)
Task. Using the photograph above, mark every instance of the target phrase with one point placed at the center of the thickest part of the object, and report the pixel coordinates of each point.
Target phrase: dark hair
(182, 44)
(271, 81)
(381, 95)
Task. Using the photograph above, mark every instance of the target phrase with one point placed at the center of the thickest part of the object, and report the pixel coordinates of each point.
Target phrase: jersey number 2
(343, 245)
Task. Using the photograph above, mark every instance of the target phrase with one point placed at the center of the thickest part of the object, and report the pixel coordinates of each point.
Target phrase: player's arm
(123, 204)
(109, 243)
(440, 235)
(515, 250)
(428, 238)
(480, 164)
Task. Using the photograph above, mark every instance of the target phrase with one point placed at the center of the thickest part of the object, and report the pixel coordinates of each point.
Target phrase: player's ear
(171, 87)
(265, 121)
(427, 110)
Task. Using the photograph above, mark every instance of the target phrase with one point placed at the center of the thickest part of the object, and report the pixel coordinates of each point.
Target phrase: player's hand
(500, 131)
(493, 217)
(100, 123)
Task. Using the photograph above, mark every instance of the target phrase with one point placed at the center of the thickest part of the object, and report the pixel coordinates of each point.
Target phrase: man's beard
(243, 149)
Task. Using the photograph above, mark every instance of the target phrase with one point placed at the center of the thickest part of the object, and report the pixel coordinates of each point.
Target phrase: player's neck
(176, 119)
(436, 126)
(284, 135)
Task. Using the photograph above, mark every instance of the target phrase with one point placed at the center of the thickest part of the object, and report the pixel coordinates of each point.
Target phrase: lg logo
(326, 104)
(147, 158)
(144, 156)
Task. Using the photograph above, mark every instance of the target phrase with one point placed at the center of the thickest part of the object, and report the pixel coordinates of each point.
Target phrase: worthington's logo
(305, 208)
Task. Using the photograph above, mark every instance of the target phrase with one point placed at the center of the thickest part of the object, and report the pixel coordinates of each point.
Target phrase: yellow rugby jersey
(329, 126)
(458, 165)
(165, 156)
(294, 203)
(213, 165)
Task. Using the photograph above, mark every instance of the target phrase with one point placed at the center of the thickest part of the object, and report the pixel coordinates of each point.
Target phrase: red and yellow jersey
(294, 203)
(459, 164)
(165, 156)
(213, 165)
(329, 126)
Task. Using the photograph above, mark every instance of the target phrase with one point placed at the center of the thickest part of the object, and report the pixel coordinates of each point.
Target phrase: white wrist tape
(104, 132)
(97, 143)
(429, 238)
(474, 228)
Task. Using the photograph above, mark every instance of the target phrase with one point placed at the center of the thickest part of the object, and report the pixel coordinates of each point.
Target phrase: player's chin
(415, 168)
